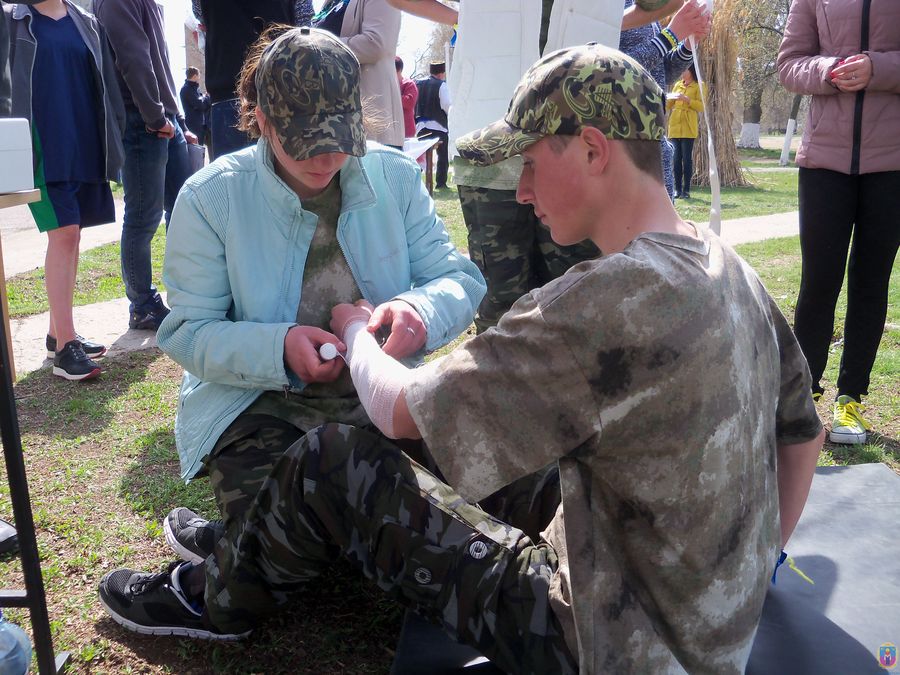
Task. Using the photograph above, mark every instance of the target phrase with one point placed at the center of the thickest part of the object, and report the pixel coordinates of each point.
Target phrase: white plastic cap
(328, 351)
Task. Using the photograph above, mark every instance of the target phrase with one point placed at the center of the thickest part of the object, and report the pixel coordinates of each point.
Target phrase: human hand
(853, 73)
(166, 131)
(301, 354)
(684, 98)
(191, 137)
(344, 314)
(691, 19)
(408, 332)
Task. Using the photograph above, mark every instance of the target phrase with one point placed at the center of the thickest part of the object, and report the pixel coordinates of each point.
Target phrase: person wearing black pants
(833, 207)
(847, 56)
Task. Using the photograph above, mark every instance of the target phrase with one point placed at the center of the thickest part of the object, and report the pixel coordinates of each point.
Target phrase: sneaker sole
(175, 545)
(175, 631)
(847, 437)
(61, 372)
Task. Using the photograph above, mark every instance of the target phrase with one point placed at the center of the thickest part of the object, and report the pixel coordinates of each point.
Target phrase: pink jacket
(846, 132)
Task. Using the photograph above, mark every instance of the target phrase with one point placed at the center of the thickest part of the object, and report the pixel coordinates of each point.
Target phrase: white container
(16, 168)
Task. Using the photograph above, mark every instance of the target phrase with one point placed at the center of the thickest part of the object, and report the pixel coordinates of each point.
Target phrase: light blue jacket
(235, 254)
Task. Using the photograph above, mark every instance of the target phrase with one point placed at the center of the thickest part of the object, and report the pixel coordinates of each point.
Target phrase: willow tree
(718, 65)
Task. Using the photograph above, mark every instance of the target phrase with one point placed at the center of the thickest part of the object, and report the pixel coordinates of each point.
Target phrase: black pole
(34, 597)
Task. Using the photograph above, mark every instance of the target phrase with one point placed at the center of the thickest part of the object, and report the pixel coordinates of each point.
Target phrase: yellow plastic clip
(790, 562)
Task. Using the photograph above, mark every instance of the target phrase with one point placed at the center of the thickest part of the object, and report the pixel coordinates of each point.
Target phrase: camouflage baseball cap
(307, 84)
(585, 86)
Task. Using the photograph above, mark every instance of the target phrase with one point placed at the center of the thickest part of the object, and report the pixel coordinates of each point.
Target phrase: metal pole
(34, 596)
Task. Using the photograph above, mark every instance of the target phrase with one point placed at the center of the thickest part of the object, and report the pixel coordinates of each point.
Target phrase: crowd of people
(585, 485)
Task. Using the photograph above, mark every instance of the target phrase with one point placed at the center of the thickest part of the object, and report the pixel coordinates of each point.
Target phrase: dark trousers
(683, 163)
(443, 158)
(224, 136)
(834, 207)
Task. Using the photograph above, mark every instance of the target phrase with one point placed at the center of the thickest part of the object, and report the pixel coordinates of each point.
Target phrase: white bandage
(379, 379)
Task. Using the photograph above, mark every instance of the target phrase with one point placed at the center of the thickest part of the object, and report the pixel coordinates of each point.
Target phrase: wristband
(670, 37)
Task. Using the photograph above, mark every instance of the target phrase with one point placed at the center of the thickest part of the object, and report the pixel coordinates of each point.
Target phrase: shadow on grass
(341, 623)
(55, 407)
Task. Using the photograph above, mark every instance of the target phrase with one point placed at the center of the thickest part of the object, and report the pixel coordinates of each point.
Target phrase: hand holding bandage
(379, 379)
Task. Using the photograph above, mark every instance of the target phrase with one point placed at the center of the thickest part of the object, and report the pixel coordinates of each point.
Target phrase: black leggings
(834, 206)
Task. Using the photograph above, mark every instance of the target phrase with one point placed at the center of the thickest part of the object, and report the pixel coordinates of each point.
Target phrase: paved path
(107, 322)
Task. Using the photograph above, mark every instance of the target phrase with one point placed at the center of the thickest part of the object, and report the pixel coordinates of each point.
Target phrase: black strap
(860, 95)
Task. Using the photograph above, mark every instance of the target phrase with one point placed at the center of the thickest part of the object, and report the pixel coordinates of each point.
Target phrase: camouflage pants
(512, 249)
(344, 491)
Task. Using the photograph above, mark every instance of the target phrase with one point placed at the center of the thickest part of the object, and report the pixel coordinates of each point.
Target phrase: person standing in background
(195, 104)
(155, 140)
(409, 94)
(846, 55)
(431, 117)
(59, 53)
(231, 26)
(684, 104)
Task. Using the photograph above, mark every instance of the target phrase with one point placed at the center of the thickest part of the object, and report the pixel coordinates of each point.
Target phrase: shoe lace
(850, 414)
(151, 582)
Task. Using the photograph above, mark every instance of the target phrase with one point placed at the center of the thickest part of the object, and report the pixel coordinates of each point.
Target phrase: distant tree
(433, 51)
(761, 26)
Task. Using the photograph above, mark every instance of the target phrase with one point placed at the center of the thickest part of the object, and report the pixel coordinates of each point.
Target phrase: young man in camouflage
(648, 412)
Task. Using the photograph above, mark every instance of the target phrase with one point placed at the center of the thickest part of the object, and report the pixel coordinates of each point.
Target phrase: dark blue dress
(64, 103)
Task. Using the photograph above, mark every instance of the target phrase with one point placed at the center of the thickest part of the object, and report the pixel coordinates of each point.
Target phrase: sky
(414, 34)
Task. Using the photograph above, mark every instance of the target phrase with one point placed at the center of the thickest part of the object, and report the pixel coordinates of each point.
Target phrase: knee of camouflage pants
(343, 488)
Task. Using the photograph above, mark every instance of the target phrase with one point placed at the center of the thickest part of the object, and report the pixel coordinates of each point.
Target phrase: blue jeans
(224, 136)
(154, 171)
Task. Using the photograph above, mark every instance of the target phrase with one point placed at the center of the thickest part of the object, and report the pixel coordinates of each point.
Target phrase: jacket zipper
(860, 95)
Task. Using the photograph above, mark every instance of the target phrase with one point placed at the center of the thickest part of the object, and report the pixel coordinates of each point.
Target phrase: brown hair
(246, 84)
(646, 156)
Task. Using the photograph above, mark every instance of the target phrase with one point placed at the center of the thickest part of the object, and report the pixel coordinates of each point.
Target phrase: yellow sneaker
(848, 426)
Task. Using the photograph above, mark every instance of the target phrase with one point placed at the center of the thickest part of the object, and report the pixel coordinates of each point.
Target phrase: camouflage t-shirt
(661, 379)
(327, 281)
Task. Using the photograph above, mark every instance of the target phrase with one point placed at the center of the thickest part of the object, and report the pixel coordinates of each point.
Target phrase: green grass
(763, 157)
(99, 279)
(769, 192)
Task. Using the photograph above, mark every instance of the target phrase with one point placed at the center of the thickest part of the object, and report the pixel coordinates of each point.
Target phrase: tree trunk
(752, 115)
(789, 133)
(718, 57)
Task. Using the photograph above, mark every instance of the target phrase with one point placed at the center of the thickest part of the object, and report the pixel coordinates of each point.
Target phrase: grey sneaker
(155, 604)
(191, 536)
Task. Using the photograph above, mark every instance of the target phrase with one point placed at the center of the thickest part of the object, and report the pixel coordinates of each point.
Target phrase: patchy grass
(778, 263)
(769, 192)
(99, 279)
(763, 157)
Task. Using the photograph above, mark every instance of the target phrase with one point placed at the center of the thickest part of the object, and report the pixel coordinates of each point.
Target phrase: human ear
(597, 149)
(260, 120)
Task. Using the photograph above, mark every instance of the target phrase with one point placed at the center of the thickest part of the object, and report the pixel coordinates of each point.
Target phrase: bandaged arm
(380, 381)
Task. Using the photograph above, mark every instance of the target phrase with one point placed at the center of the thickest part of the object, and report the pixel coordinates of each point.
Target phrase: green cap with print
(307, 84)
(585, 86)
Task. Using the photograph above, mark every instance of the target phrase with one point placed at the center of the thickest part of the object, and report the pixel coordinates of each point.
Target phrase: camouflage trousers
(342, 491)
(512, 249)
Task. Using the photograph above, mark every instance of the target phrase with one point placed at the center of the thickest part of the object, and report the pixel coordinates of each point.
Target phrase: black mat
(847, 542)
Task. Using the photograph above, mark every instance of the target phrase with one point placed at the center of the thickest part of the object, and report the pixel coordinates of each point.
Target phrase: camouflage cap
(307, 84)
(585, 86)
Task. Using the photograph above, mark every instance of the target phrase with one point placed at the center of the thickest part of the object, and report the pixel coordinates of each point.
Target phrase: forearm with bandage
(379, 379)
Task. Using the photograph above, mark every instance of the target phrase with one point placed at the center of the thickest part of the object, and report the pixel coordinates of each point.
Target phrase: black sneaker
(149, 316)
(92, 349)
(73, 364)
(192, 537)
(154, 604)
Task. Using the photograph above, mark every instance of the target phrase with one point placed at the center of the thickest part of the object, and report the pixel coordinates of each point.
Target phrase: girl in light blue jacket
(264, 242)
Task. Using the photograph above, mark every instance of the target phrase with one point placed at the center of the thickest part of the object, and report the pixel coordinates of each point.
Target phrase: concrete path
(107, 322)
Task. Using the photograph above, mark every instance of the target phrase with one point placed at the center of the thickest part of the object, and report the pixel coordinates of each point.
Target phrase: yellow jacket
(683, 117)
